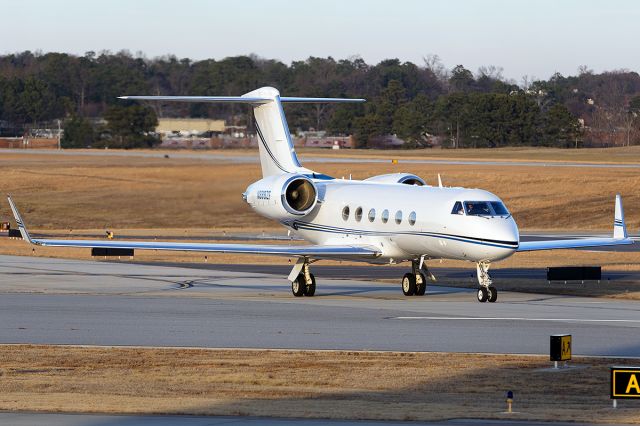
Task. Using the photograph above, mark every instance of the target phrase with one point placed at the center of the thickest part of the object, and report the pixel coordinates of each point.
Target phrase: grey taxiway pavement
(45, 300)
(253, 158)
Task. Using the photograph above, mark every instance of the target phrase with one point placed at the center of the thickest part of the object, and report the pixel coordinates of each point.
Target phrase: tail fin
(619, 225)
(277, 154)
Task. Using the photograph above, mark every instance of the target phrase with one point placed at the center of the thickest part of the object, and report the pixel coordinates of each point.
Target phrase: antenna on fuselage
(439, 181)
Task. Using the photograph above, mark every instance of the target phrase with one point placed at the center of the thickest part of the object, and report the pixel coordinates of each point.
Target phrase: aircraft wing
(314, 251)
(572, 244)
(620, 236)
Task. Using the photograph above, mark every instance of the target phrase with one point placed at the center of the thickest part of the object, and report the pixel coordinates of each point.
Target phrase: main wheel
(483, 294)
(298, 286)
(310, 289)
(421, 288)
(409, 284)
(493, 294)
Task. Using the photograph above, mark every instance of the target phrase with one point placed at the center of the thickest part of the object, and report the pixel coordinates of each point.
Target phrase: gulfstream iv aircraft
(383, 219)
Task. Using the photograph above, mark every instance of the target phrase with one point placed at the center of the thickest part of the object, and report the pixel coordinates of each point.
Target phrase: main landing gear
(486, 292)
(415, 282)
(303, 283)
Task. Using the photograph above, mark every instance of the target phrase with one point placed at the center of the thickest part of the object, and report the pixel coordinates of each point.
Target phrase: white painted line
(517, 319)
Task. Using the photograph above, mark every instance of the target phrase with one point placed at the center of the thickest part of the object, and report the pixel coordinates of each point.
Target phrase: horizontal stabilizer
(239, 99)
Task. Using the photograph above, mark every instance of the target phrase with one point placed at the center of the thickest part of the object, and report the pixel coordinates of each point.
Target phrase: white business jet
(384, 219)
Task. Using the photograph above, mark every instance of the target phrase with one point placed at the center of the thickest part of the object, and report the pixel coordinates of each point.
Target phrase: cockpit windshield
(480, 208)
(499, 209)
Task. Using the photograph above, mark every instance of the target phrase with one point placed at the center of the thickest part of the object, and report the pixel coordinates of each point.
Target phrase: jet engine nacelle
(283, 196)
(406, 178)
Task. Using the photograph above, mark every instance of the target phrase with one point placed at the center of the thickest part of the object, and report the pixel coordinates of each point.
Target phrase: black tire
(310, 288)
(409, 284)
(298, 286)
(421, 288)
(483, 294)
(493, 294)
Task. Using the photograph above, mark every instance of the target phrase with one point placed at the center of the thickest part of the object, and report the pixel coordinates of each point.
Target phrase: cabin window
(385, 216)
(412, 218)
(345, 213)
(457, 208)
(399, 217)
(477, 208)
(358, 214)
(372, 215)
(499, 209)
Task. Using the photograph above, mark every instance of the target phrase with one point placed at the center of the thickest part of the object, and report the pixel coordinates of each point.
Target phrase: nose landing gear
(486, 292)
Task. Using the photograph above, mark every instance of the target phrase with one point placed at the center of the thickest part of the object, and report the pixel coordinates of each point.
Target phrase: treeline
(422, 104)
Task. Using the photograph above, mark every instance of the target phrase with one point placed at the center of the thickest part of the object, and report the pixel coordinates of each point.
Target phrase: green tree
(560, 127)
(78, 133)
(129, 126)
(453, 112)
(461, 79)
(36, 100)
(414, 120)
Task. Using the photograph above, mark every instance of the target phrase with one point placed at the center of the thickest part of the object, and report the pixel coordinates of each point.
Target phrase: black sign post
(625, 383)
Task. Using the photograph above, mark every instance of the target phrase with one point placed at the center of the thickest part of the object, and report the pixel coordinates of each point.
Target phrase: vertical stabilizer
(277, 154)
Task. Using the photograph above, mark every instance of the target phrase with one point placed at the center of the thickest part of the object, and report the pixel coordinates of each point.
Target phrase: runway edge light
(625, 383)
(560, 348)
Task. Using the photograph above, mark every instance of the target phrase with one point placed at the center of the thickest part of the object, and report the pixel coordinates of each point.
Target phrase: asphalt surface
(32, 419)
(249, 158)
(99, 303)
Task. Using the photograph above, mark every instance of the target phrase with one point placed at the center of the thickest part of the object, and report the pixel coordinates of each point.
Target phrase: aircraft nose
(507, 232)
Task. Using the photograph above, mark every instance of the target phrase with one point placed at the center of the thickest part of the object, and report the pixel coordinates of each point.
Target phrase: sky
(525, 38)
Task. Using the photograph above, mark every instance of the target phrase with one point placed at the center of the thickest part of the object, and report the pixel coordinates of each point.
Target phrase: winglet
(619, 225)
(439, 181)
(19, 221)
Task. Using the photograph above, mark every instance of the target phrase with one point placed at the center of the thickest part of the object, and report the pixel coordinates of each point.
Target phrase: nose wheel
(486, 292)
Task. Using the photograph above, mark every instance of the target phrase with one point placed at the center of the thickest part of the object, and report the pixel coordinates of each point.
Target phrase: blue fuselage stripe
(462, 238)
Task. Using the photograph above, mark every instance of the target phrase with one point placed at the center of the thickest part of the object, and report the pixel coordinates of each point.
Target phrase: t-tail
(277, 154)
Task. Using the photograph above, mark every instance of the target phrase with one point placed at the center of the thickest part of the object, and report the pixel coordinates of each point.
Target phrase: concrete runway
(252, 157)
(98, 303)
(32, 419)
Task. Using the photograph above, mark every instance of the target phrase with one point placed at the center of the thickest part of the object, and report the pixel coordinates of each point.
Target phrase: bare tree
(583, 69)
(491, 71)
(434, 64)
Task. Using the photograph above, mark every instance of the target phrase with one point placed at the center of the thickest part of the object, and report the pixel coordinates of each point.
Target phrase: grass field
(71, 194)
(79, 192)
(325, 384)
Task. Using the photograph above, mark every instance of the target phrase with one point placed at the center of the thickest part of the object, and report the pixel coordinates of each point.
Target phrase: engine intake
(299, 195)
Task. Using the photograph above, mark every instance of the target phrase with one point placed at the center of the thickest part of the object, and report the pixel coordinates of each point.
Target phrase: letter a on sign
(633, 384)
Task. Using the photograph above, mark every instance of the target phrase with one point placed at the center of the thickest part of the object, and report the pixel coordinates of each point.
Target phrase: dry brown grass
(325, 384)
(186, 197)
(76, 192)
